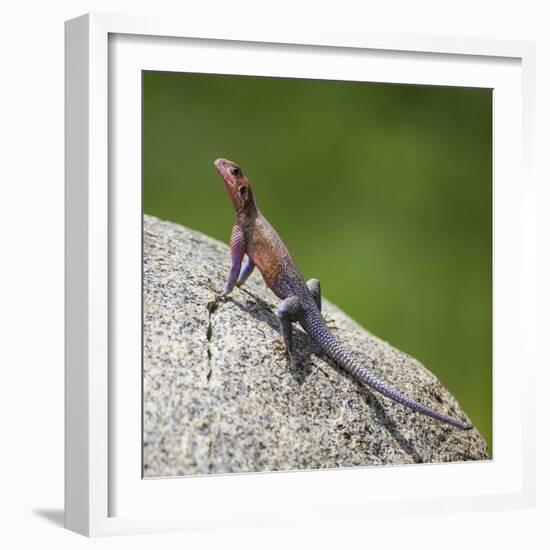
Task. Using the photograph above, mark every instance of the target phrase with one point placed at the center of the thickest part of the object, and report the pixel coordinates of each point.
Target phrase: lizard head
(237, 185)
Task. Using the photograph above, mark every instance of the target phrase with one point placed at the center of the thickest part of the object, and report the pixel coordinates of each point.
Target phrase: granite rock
(220, 396)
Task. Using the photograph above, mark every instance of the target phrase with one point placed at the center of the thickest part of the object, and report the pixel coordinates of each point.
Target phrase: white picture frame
(104, 494)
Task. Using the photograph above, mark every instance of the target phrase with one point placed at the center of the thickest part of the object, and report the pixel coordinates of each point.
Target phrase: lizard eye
(236, 171)
(242, 190)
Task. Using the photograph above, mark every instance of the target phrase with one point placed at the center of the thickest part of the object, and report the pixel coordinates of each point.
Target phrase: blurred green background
(383, 192)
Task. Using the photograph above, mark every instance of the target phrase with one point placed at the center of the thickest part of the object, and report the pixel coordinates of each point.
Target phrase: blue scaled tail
(314, 324)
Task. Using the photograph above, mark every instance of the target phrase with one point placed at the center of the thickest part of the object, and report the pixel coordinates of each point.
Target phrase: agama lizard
(253, 236)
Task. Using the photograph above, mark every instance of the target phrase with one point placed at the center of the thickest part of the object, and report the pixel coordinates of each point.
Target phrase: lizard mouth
(223, 167)
(220, 163)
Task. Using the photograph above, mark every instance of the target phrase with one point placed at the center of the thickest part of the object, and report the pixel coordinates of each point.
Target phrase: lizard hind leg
(314, 287)
(289, 311)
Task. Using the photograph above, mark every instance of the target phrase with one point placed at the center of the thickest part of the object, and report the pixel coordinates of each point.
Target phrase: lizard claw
(218, 294)
(219, 297)
(281, 350)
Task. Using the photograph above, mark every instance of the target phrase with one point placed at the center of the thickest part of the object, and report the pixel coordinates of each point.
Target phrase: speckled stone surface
(220, 396)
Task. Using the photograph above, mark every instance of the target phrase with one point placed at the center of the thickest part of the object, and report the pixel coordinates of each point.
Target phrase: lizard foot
(218, 299)
(281, 351)
(219, 295)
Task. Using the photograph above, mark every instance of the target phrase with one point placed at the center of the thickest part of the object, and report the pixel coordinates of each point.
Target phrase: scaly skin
(254, 237)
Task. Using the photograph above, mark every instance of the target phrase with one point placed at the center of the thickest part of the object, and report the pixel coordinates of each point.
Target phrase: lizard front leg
(288, 312)
(238, 246)
(246, 271)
